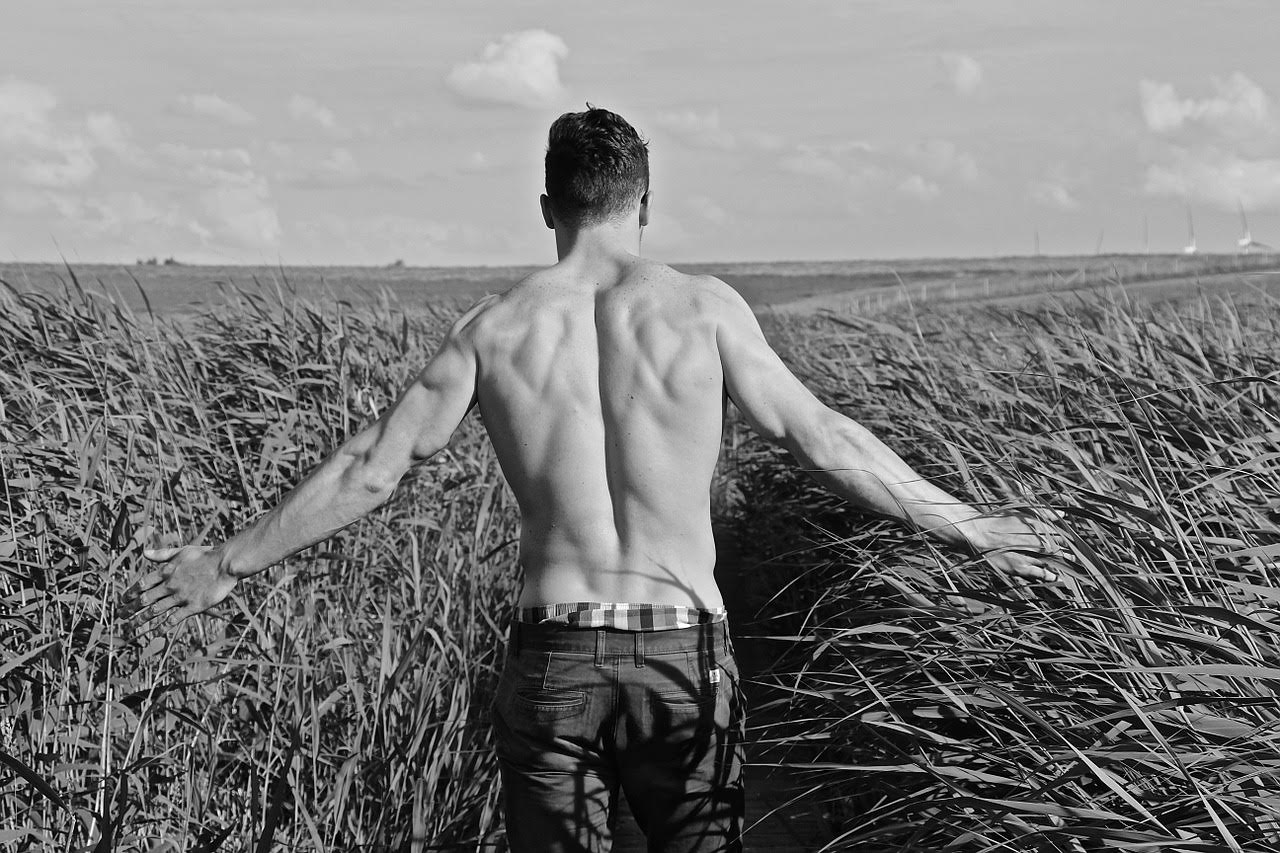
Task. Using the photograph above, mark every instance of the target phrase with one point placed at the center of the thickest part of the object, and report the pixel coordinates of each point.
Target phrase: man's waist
(710, 640)
(622, 616)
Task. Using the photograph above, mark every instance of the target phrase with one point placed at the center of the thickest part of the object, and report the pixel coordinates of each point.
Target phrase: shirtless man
(602, 383)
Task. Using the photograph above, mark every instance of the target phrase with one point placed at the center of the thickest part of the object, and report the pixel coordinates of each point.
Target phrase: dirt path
(1011, 293)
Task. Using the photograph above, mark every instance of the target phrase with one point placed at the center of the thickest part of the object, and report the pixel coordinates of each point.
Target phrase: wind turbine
(1246, 243)
(1190, 248)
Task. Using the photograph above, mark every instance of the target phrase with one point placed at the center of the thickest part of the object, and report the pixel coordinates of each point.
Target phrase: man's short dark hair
(597, 166)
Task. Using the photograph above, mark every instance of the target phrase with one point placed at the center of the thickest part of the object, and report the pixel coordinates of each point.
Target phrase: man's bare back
(602, 382)
(602, 391)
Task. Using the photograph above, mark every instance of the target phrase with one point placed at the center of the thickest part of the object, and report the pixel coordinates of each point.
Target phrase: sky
(326, 132)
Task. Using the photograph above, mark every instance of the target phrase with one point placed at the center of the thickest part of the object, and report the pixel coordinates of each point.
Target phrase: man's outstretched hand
(188, 580)
(1022, 546)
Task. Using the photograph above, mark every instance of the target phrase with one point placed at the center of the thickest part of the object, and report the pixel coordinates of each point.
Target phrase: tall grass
(1133, 705)
(338, 703)
(341, 702)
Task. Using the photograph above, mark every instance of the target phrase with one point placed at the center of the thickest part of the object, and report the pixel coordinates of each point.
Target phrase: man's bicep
(438, 398)
(426, 413)
(774, 401)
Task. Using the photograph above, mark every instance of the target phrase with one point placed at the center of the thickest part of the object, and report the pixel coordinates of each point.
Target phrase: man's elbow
(827, 440)
(370, 479)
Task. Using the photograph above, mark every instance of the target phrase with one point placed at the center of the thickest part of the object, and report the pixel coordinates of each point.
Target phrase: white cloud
(73, 165)
(25, 112)
(108, 132)
(234, 202)
(707, 209)
(383, 238)
(476, 161)
(943, 159)
(1217, 177)
(1239, 107)
(844, 162)
(963, 72)
(1053, 193)
(704, 130)
(812, 162)
(917, 186)
(341, 162)
(37, 150)
(217, 107)
(1219, 150)
(520, 69)
(307, 108)
(154, 199)
(243, 212)
(131, 221)
(921, 170)
(700, 130)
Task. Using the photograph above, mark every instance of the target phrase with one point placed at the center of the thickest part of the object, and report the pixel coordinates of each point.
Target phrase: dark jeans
(584, 712)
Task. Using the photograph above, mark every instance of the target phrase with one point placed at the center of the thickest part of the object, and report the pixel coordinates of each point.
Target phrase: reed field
(341, 701)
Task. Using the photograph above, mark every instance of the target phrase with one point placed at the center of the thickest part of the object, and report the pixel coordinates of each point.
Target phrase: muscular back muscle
(603, 393)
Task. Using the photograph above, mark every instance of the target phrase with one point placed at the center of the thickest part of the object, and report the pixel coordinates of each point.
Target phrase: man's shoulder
(714, 297)
(707, 290)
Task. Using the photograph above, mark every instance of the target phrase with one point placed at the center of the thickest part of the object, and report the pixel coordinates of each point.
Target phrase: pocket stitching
(576, 704)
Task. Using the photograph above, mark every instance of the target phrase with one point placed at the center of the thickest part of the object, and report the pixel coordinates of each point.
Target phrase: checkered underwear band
(626, 617)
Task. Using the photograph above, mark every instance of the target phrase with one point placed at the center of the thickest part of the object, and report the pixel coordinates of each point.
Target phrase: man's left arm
(352, 481)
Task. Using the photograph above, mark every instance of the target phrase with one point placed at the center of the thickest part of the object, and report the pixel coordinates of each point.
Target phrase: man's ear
(545, 203)
(644, 207)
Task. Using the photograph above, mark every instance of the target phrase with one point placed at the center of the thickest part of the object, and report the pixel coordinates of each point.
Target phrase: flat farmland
(792, 286)
(341, 700)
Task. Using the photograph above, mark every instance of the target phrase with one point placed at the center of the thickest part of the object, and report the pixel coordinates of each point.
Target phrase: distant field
(876, 285)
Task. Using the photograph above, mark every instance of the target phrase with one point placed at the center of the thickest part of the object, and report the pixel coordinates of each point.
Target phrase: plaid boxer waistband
(620, 616)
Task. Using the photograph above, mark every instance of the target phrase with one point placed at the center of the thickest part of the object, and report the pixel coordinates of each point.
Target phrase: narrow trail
(779, 816)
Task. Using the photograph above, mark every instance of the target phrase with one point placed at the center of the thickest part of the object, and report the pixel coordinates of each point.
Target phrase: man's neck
(608, 241)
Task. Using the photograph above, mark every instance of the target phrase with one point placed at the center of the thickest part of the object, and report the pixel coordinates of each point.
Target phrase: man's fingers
(157, 610)
(156, 594)
(150, 581)
(1039, 574)
(1040, 570)
(1025, 567)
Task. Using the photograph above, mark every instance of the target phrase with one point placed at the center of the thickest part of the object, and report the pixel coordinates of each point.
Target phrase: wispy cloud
(520, 69)
(233, 202)
(1238, 107)
(919, 187)
(942, 158)
(964, 73)
(1053, 193)
(1217, 177)
(217, 107)
(306, 108)
(922, 171)
(40, 149)
(1219, 149)
(697, 129)
(707, 209)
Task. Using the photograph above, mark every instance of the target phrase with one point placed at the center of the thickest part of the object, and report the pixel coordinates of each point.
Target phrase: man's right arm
(352, 481)
(849, 460)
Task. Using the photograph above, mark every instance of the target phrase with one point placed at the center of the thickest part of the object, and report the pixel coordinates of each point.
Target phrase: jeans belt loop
(599, 647)
(709, 641)
(639, 649)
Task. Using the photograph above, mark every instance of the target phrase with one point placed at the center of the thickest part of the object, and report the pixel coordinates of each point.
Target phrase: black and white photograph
(540, 426)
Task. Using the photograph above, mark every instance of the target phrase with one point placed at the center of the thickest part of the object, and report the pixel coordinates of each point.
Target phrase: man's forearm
(850, 461)
(338, 492)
